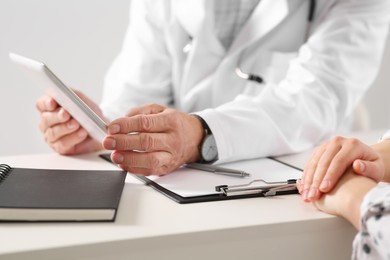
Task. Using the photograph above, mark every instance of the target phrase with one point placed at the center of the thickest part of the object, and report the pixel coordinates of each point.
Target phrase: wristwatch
(208, 147)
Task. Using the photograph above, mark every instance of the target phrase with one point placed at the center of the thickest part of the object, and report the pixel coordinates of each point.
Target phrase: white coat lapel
(267, 15)
(190, 14)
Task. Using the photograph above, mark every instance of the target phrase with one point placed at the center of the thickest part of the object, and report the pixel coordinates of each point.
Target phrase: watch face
(209, 149)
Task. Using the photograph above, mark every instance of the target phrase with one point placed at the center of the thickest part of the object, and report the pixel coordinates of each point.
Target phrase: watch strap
(204, 124)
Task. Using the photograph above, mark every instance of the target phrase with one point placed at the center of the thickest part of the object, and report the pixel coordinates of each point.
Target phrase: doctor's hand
(332, 159)
(154, 140)
(61, 131)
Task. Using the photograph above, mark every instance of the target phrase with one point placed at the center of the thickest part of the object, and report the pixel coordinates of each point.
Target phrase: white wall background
(78, 39)
(377, 99)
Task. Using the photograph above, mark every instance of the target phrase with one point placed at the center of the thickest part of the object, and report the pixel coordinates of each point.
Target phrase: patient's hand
(332, 159)
(345, 198)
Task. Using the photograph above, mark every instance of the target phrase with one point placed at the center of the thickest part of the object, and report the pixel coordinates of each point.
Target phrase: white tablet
(65, 97)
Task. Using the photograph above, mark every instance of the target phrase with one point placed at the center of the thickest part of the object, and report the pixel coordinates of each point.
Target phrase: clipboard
(268, 177)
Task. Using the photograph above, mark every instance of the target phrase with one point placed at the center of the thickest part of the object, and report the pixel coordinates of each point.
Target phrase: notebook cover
(61, 189)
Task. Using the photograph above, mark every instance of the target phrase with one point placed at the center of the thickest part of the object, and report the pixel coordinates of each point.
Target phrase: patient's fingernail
(325, 184)
(312, 193)
(114, 129)
(299, 186)
(305, 193)
(362, 166)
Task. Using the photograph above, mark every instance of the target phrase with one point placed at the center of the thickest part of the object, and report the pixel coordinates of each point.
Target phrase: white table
(151, 226)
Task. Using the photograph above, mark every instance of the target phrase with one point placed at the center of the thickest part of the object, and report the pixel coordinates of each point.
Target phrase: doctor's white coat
(312, 86)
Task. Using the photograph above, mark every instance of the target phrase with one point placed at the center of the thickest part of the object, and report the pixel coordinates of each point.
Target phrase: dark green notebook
(59, 195)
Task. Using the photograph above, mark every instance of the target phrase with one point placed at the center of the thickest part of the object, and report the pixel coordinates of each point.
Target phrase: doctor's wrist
(198, 135)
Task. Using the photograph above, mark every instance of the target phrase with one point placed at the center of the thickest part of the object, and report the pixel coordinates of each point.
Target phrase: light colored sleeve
(373, 242)
(141, 73)
(322, 87)
(385, 136)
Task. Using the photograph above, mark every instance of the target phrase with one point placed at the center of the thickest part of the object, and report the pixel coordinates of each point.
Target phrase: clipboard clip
(267, 189)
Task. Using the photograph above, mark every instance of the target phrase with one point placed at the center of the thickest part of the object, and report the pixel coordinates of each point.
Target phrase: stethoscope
(259, 79)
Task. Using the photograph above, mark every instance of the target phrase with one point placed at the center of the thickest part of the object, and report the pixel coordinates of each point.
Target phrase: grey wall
(78, 39)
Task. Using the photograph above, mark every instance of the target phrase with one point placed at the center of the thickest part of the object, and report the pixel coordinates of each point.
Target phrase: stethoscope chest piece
(251, 77)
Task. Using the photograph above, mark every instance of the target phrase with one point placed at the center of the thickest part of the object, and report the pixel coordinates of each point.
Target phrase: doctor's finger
(143, 123)
(56, 132)
(146, 142)
(46, 103)
(68, 143)
(49, 119)
(146, 110)
(155, 163)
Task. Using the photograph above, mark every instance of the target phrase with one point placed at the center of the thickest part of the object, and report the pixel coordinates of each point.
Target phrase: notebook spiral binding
(4, 171)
